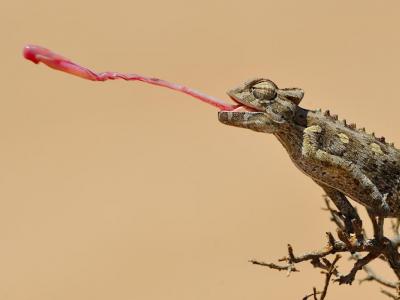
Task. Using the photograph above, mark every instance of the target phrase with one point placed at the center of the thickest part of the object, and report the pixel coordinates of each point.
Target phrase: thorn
(353, 126)
(373, 134)
(382, 139)
(327, 113)
(331, 239)
(335, 117)
(362, 129)
(344, 122)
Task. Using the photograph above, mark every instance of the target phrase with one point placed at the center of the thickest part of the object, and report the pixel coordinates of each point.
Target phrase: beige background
(120, 190)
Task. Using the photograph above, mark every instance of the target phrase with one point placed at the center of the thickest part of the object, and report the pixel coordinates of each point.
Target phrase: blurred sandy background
(121, 190)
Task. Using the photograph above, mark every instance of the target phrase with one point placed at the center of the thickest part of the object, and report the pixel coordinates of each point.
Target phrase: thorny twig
(355, 244)
(289, 267)
(329, 274)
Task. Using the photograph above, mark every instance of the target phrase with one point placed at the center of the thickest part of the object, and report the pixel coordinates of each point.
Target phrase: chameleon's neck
(301, 116)
(291, 135)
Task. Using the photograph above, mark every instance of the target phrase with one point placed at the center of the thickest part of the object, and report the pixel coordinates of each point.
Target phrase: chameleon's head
(263, 106)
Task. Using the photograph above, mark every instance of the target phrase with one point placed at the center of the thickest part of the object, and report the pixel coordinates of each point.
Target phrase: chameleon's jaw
(240, 107)
(244, 116)
(254, 120)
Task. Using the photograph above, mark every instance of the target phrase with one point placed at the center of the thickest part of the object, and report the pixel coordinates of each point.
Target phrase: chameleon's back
(378, 160)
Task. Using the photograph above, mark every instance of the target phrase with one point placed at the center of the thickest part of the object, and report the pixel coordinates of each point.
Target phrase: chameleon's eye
(264, 90)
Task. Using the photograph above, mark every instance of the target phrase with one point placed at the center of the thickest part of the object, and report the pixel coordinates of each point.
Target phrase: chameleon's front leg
(310, 150)
(344, 206)
(377, 224)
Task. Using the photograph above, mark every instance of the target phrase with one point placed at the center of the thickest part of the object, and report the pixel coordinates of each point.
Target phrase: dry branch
(359, 247)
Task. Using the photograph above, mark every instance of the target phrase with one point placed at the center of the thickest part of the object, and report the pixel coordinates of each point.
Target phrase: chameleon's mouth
(239, 107)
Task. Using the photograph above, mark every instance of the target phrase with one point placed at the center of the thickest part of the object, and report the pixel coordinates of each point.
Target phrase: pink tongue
(55, 61)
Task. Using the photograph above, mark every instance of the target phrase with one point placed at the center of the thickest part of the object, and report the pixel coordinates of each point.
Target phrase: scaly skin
(343, 160)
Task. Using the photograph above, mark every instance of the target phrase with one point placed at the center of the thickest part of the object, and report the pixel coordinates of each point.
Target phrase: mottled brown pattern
(343, 160)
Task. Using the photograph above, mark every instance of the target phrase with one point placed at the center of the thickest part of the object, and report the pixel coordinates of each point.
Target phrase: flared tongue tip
(30, 54)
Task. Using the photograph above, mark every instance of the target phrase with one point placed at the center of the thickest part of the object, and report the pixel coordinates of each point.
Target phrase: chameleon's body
(343, 160)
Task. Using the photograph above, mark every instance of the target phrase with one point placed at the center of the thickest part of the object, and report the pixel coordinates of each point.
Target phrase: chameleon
(346, 162)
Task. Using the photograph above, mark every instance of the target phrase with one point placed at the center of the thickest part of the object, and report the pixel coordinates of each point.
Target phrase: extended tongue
(55, 61)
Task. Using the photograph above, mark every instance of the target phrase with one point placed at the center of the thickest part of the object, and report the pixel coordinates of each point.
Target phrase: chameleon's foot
(353, 225)
(348, 225)
(348, 279)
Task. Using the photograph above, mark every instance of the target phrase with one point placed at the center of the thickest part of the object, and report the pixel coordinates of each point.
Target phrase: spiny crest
(327, 113)
(372, 135)
(380, 139)
(353, 126)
